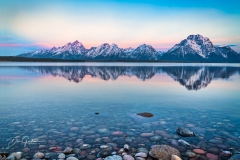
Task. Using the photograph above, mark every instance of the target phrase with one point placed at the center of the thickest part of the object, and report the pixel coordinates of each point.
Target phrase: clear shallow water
(46, 100)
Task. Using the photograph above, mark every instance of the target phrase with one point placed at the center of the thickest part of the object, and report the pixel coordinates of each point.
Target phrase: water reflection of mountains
(193, 78)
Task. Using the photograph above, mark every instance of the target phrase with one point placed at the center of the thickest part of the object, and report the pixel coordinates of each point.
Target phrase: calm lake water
(57, 102)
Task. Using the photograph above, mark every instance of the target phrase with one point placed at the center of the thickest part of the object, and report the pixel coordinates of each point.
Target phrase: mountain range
(194, 48)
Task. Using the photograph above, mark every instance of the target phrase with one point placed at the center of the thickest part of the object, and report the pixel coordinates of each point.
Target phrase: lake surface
(68, 104)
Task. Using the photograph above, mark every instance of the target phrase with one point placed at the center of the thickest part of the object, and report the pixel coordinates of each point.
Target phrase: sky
(27, 25)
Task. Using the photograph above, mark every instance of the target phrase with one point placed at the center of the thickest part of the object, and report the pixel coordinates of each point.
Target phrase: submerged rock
(141, 154)
(117, 133)
(129, 140)
(70, 155)
(128, 157)
(74, 129)
(76, 150)
(164, 134)
(114, 157)
(146, 125)
(85, 146)
(68, 150)
(16, 123)
(126, 147)
(174, 157)
(155, 138)
(50, 155)
(174, 142)
(202, 157)
(104, 146)
(56, 149)
(211, 156)
(199, 151)
(104, 154)
(222, 146)
(145, 114)
(215, 141)
(103, 131)
(190, 154)
(213, 150)
(202, 145)
(185, 132)
(38, 155)
(184, 143)
(71, 158)
(15, 156)
(26, 149)
(144, 150)
(121, 141)
(91, 156)
(11, 157)
(61, 156)
(163, 152)
(147, 134)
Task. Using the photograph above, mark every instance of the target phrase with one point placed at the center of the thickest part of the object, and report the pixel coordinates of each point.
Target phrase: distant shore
(25, 59)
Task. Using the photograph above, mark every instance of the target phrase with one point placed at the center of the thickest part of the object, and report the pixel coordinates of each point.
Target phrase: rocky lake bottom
(72, 126)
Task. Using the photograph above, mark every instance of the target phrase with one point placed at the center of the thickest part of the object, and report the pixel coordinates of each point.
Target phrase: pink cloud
(8, 45)
(42, 45)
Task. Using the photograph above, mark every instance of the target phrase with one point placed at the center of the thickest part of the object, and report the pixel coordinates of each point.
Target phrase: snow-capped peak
(194, 44)
(144, 51)
(197, 37)
(146, 48)
(76, 43)
(114, 45)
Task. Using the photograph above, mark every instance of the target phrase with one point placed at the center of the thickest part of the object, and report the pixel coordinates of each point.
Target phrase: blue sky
(29, 25)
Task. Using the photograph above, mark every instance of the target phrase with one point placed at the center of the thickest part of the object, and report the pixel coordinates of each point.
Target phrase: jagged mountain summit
(106, 52)
(195, 48)
(144, 52)
(69, 51)
(199, 48)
